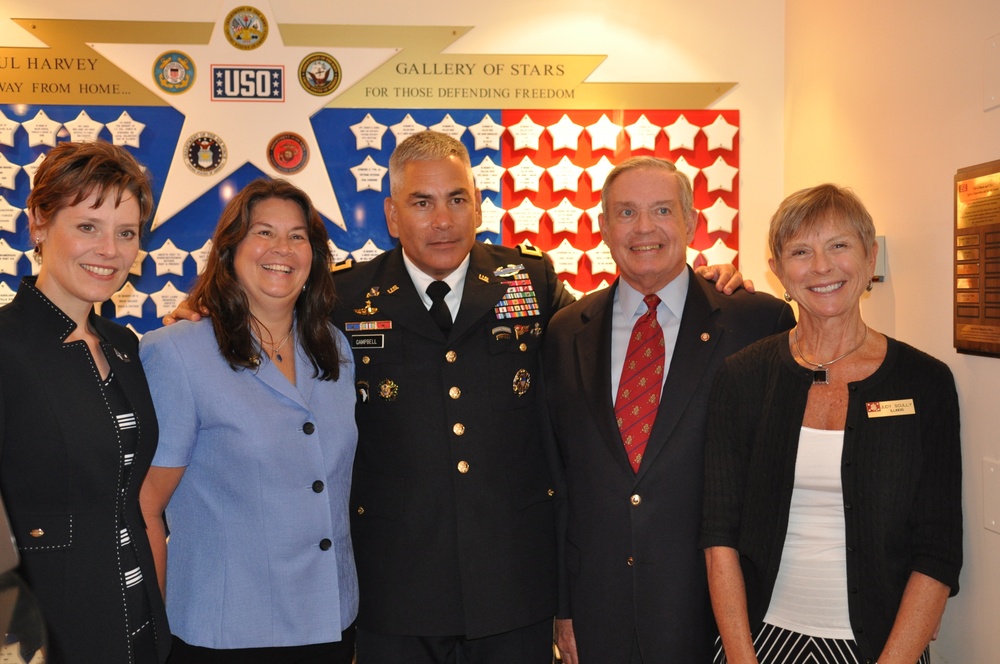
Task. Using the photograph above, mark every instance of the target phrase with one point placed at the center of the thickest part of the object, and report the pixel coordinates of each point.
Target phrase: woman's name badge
(890, 408)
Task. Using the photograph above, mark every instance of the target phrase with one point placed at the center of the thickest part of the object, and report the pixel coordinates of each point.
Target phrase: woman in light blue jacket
(257, 440)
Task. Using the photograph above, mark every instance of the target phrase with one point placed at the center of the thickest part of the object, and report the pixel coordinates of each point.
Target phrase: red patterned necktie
(640, 386)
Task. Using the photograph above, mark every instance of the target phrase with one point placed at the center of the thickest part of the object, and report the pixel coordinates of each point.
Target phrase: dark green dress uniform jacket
(452, 503)
(59, 472)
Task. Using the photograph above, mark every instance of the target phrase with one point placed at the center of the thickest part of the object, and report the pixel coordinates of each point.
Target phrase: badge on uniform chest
(520, 300)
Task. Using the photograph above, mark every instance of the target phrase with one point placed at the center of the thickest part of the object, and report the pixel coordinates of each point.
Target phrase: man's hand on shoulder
(183, 312)
(726, 277)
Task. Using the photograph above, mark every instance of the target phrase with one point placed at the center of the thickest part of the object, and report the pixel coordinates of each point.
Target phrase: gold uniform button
(454, 393)
(630, 561)
(523, 347)
(635, 499)
(463, 467)
(450, 356)
(37, 532)
(551, 492)
(365, 359)
(458, 429)
(361, 510)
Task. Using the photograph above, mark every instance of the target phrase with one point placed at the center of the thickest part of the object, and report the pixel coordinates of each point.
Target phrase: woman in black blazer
(77, 426)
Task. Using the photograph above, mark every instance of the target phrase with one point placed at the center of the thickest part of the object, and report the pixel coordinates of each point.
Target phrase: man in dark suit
(635, 587)
(453, 499)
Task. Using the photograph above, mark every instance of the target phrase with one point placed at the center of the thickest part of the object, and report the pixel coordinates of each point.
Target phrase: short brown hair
(806, 207)
(72, 171)
(423, 146)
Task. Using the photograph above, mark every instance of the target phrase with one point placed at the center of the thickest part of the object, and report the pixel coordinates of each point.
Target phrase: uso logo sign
(248, 83)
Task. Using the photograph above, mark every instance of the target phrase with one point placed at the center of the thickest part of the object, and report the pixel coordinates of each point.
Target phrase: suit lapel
(697, 339)
(592, 345)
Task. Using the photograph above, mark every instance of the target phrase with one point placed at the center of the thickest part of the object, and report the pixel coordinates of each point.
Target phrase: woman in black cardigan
(77, 426)
(833, 523)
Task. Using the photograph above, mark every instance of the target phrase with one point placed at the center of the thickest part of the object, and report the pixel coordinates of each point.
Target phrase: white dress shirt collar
(456, 281)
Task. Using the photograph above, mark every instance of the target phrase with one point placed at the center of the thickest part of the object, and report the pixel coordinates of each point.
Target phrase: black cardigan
(901, 475)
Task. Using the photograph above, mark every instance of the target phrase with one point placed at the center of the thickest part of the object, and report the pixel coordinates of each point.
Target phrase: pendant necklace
(821, 374)
(274, 349)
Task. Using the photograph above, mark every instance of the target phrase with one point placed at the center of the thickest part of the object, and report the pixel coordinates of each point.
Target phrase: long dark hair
(219, 291)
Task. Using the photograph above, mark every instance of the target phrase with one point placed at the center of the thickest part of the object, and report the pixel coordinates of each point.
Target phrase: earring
(788, 298)
(869, 286)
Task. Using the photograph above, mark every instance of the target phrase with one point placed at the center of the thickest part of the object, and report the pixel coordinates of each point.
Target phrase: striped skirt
(775, 645)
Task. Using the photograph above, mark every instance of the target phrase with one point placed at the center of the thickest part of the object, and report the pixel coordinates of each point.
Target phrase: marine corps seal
(288, 153)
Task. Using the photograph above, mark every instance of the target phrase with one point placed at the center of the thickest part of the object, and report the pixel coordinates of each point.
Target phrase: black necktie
(439, 310)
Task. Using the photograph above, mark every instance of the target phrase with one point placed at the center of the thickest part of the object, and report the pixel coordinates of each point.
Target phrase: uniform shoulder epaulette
(342, 265)
(528, 250)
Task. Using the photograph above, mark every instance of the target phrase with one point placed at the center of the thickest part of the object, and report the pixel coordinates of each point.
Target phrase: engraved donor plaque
(976, 276)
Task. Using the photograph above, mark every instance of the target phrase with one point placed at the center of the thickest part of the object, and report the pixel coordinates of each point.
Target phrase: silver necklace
(274, 349)
(821, 375)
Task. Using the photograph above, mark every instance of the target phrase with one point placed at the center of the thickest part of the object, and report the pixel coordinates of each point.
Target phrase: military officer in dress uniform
(453, 501)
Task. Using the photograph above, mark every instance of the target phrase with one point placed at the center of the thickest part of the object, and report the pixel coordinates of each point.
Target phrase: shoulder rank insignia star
(367, 310)
(528, 250)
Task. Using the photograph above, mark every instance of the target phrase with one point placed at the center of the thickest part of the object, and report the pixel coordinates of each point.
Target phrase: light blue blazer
(260, 547)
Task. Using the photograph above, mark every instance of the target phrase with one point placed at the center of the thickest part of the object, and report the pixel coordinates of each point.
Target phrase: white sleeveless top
(810, 594)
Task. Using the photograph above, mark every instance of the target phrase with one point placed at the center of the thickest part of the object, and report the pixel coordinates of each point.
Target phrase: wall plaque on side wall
(977, 259)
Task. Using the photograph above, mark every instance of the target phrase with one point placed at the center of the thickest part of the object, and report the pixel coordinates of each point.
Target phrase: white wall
(887, 97)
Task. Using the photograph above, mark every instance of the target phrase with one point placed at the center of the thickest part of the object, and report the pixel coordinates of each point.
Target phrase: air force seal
(205, 153)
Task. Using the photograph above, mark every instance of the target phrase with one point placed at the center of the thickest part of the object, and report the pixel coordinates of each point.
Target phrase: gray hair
(423, 146)
(651, 163)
